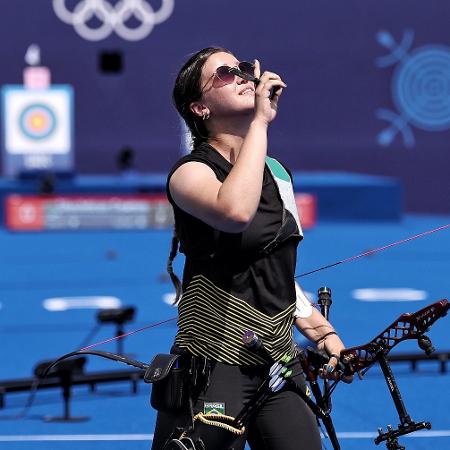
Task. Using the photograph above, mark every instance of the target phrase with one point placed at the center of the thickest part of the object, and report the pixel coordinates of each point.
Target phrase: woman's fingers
(265, 76)
(269, 87)
(330, 371)
(266, 87)
(257, 68)
(324, 373)
(270, 84)
(269, 76)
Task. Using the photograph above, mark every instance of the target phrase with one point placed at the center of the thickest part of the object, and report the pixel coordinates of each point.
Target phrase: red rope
(371, 252)
(352, 258)
(157, 324)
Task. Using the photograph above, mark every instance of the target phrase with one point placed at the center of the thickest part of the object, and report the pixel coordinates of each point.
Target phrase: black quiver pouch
(169, 380)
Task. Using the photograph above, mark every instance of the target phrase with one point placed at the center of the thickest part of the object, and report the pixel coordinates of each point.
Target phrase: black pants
(284, 422)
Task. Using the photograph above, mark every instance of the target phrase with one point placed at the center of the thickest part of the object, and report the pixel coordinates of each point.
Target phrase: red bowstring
(376, 250)
(157, 324)
(352, 258)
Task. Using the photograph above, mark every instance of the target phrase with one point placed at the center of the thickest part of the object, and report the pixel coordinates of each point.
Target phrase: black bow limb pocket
(168, 377)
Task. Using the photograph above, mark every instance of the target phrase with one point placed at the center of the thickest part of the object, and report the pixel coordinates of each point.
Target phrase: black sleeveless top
(231, 284)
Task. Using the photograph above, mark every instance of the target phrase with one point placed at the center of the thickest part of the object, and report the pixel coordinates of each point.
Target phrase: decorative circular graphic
(421, 88)
(37, 121)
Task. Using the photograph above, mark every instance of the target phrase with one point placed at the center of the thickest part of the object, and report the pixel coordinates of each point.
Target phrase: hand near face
(266, 107)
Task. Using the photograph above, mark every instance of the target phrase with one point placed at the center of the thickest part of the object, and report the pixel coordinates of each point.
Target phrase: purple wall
(325, 50)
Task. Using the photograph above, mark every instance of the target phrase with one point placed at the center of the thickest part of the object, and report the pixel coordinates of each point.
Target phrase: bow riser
(407, 326)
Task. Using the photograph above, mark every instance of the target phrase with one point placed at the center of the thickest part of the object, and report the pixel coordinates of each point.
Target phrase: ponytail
(175, 280)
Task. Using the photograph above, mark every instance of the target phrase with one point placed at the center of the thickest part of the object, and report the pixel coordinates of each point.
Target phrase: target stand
(64, 371)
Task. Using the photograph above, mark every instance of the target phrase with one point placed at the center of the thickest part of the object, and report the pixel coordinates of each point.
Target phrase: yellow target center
(38, 122)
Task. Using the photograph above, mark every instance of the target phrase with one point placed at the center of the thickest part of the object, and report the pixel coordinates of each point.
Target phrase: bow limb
(107, 355)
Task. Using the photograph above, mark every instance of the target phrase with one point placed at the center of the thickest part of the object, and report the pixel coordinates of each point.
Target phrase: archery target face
(37, 121)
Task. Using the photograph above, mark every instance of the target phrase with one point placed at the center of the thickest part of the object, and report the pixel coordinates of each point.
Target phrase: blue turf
(131, 266)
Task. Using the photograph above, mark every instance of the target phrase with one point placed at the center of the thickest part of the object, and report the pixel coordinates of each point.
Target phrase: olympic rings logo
(113, 18)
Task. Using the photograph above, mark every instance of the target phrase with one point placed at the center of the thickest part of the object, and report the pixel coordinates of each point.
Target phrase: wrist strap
(325, 336)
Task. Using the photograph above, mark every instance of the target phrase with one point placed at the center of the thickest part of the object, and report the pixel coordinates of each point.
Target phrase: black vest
(227, 273)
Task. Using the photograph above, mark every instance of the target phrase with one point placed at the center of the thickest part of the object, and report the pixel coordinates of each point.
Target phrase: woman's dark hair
(187, 89)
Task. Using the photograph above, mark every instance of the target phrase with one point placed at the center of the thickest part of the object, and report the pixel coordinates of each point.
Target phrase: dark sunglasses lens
(247, 67)
(223, 73)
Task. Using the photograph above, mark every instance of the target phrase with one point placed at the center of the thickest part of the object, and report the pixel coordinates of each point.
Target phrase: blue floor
(131, 266)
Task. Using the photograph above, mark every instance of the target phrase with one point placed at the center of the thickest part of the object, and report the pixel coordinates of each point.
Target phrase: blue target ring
(37, 121)
(421, 88)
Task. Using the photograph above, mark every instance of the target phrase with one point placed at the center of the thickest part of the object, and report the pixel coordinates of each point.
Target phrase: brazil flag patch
(213, 408)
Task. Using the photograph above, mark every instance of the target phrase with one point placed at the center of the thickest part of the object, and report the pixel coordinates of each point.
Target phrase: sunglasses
(227, 74)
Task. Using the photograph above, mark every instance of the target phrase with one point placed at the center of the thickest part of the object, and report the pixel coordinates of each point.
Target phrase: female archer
(237, 224)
